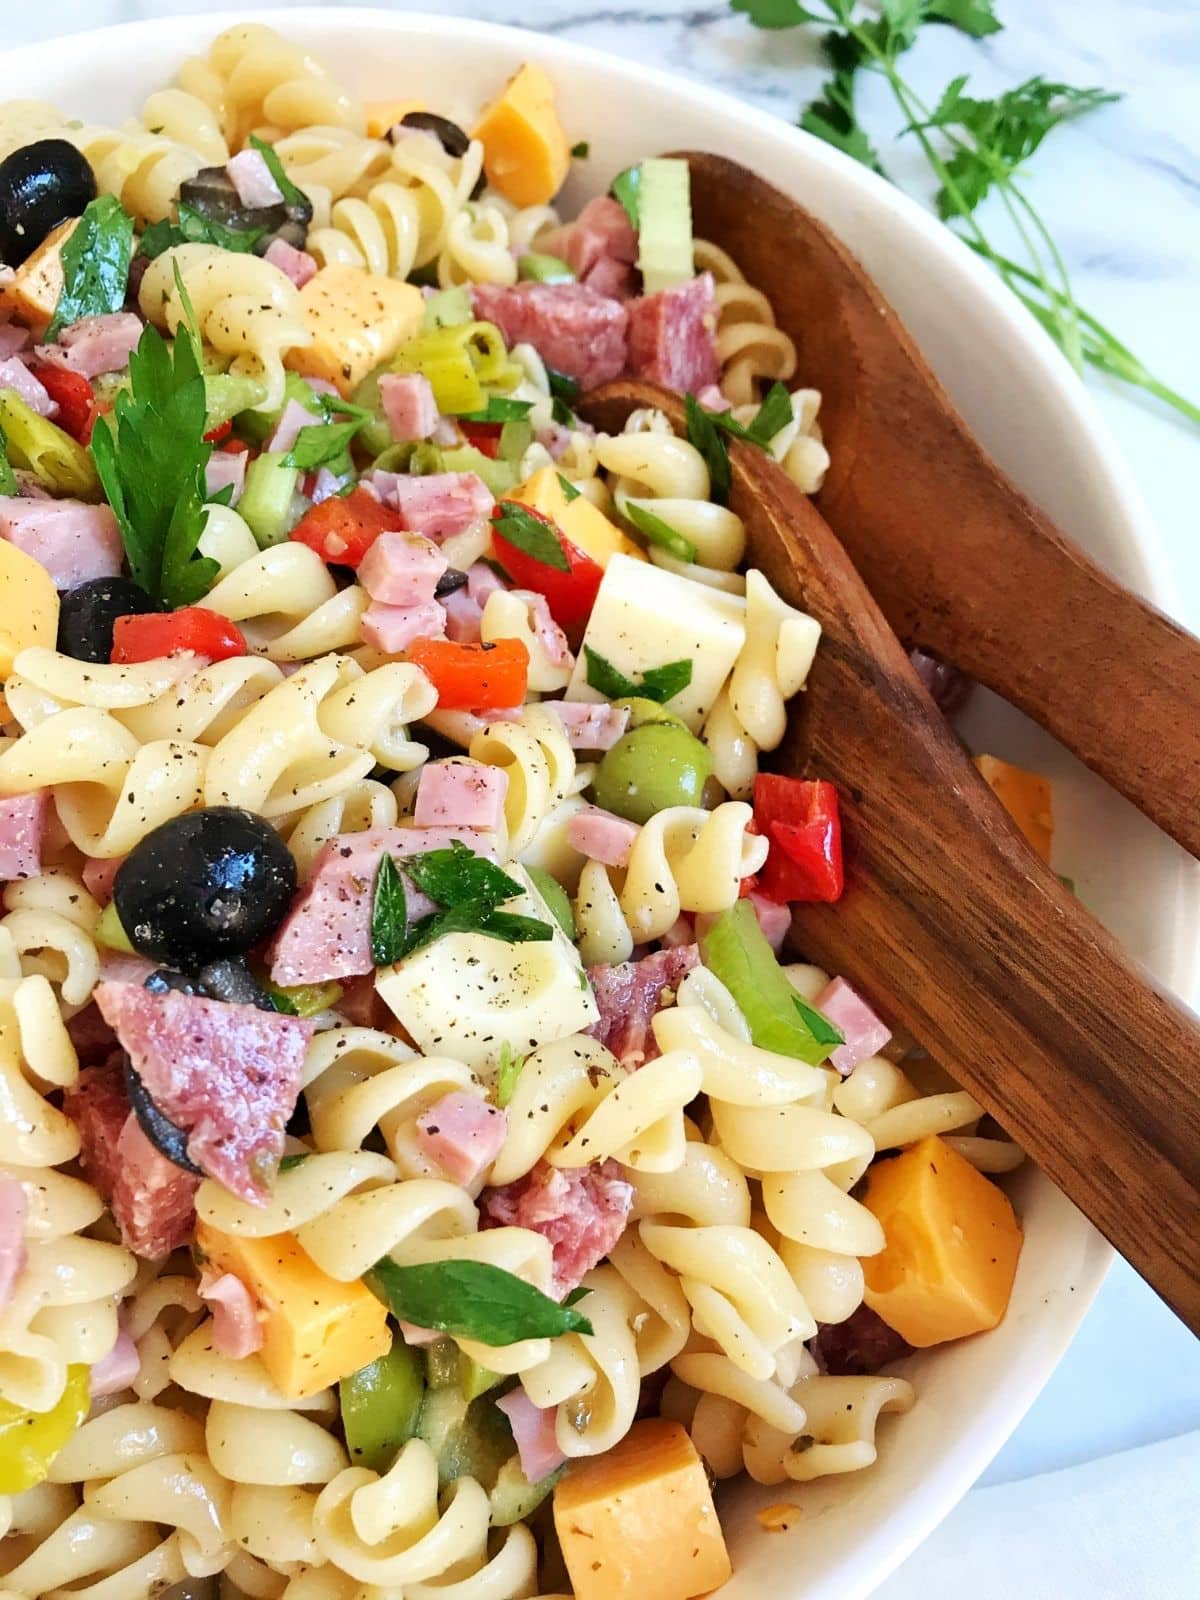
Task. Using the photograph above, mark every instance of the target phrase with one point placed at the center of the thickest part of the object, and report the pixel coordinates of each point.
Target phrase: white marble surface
(1122, 192)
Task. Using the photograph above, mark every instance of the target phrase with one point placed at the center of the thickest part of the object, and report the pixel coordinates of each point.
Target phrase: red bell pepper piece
(802, 820)
(485, 436)
(220, 432)
(147, 636)
(570, 595)
(76, 402)
(473, 677)
(235, 447)
(343, 528)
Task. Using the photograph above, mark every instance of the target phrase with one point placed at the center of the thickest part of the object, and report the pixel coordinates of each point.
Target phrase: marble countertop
(1122, 192)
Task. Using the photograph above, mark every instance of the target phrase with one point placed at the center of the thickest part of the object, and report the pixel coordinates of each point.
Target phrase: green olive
(650, 768)
(642, 711)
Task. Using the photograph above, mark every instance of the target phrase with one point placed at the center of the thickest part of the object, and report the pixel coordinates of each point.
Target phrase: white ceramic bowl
(1029, 409)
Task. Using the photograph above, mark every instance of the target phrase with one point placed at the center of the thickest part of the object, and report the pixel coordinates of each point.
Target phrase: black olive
(213, 194)
(448, 134)
(449, 581)
(233, 982)
(209, 884)
(163, 980)
(87, 613)
(166, 1137)
(41, 185)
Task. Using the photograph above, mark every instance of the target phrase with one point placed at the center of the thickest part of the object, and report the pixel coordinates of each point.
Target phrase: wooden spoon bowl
(953, 925)
(958, 560)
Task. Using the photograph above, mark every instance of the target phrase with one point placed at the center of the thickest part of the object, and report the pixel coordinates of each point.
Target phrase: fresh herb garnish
(703, 433)
(478, 917)
(581, 151)
(561, 413)
(194, 227)
(333, 405)
(8, 478)
(150, 457)
(291, 195)
(322, 444)
(659, 532)
(658, 683)
(532, 534)
(499, 410)
(95, 263)
(576, 1295)
(389, 915)
(509, 1071)
(822, 1030)
(562, 386)
(972, 147)
(289, 1162)
(570, 492)
(472, 1300)
(456, 876)
(626, 188)
(773, 415)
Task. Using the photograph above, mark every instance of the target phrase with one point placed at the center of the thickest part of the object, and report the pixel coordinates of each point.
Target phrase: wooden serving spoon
(959, 561)
(952, 923)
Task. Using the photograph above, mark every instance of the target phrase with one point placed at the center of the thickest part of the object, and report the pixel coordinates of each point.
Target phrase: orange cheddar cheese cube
(315, 1329)
(953, 1241)
(525, 151)
(1026, 798)
(32, 296)
(357, 319)
(385, 114)
(638, 1523)
(583, 523)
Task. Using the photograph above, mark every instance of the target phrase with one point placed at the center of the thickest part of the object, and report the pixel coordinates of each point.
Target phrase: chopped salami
(229, 1075)
(581, 1210)
(575, 330)
(861, 1344)
(671, 336)
(600, 247)
(630, 993)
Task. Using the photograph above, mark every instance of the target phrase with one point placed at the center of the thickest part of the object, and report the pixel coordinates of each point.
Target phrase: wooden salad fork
(953, 925)
(959, 561)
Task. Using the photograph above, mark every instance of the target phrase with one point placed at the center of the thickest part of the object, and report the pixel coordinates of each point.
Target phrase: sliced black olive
(449, 581)
(209, 884)
(88, 612)
(212, 194)
(166, 1137)
(448, 134)
(163, 981)
(233, 982)
(41, 185)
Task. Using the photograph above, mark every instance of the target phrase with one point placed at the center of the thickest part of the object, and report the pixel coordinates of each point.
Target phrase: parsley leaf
(570, 492)
(499, 410)
(626, 188)
(532, 534)
(703, 433)
(478, 917)
(194, 227)
(95, 262)
(975, 17)
(321, 444)
(457, 876)
(8, 478)
(509, 1071)
(658, 532)
(561, 386)
(577, 1294)
(561, 413)
(289, 1162)
(772, 415)
(822, 1030)
(834, 117)
(389, 915)
(658, 683)
(291, 195)
(776, 13)
(582, 150)
(472, 1300)
(150, 457)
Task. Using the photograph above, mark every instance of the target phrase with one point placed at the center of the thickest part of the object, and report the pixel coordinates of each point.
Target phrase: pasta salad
(422, 1173)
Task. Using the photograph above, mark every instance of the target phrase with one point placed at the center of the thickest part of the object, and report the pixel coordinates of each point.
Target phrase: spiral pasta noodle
(540, 764)
(751, 349)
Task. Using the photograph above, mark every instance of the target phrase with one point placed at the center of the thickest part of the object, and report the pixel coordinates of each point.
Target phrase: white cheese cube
(466, 995)
(646, 617)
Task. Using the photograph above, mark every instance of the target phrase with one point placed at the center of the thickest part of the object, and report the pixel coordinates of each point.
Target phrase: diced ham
(327, 483)
(419, 1338)
(13, 339)
(13, 1206)
(460, 794)
(600, 247)
(225, 469)
(22, 820)
(229, 1075)
(630, 993)
(116, 1370)
(865, 1034)
(712, 399)
(463, 617)
(861, 1345)
(402, 569)
(237, 1332)
(150, 1197)
(581, 1210)
(671, 336)
(393, 628)
(327, 933)
(439, 505)
(15, 375)
(251, 177)
(533, 1428)
(549, 635)
(95, 345)
(773, 919)
(575, 330)
(408, 405)
(601, 836)
(292, 418)
(73, 541)
(295, 264)
(462, 1134)
(590, 727)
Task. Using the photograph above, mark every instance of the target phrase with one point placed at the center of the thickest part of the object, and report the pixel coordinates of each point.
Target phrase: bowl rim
(1142, 546)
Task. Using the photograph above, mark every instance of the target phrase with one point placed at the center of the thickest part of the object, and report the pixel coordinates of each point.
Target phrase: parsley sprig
(468, 891)
(974, 148)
